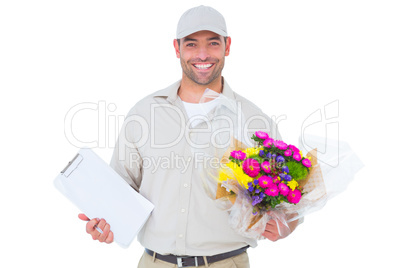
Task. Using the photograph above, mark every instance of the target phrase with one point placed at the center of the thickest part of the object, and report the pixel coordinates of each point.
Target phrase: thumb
(83, 217)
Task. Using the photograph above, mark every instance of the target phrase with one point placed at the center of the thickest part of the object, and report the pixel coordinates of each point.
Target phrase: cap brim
(187, 32)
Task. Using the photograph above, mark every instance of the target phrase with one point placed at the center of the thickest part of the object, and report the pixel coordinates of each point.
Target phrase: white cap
(202, 18)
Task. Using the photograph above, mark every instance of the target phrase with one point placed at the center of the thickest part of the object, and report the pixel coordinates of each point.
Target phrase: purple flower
(261, 154)
(251, 189)
(287, 178)
(280, 158)
(262, 135)
(256, 200)
(285, 169)
(239, 155)
(269, 155)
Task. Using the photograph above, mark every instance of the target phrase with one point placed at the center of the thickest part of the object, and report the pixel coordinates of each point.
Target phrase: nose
(203, 53)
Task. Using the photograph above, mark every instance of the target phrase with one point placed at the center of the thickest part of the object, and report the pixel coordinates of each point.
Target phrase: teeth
(202, 66)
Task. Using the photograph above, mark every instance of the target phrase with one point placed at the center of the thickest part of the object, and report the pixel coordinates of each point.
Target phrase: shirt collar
(171, 91)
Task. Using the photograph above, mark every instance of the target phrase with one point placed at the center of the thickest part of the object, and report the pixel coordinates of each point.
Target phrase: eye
(190, 45)
(215, 43)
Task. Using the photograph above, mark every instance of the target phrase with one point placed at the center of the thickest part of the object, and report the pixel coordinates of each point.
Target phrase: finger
(91, 225)
(110, 238)
(104, 235)
(83, 217)
(271, 236)
(271, 223)
(98, 229)
(101, 224)
(270, 229)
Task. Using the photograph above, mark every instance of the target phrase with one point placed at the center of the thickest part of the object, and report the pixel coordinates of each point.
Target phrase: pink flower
(293, 148)
(276, 180)
(266, 166)
(267, 143)
(265, 181)
(239, 155)
(294, 196)
(272, 190)
(283, 189)
(288, 152)
(306, 162)
(296, 156)
(251, 167)
(280, 145)
(262, 135)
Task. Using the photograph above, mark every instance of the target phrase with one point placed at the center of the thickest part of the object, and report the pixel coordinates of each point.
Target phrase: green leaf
(297, 170)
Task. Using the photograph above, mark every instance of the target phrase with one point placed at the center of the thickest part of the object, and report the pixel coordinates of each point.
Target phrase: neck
(192, 92)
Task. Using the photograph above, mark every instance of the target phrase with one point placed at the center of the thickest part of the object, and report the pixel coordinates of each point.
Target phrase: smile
(203, 66)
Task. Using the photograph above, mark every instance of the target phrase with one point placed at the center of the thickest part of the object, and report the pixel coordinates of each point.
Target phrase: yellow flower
(238, 174)
(293, 184)
(252, 151)
(224, 176)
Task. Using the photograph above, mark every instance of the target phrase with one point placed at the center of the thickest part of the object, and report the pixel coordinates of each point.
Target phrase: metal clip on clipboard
(72, 165)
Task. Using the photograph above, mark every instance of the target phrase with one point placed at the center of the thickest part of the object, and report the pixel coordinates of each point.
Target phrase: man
(185, 222)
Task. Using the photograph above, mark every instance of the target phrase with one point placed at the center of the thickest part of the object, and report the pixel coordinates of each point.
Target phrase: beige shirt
(161, 155)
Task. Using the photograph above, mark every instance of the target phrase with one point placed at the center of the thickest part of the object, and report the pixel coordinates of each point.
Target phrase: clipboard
(99, 192)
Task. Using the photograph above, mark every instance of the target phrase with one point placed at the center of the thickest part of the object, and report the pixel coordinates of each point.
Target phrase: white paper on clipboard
(99, 192)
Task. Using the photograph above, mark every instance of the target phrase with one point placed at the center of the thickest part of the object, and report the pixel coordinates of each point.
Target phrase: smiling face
(202, 56)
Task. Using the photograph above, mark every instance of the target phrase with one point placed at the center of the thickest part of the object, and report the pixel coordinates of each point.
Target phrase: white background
(289, 57)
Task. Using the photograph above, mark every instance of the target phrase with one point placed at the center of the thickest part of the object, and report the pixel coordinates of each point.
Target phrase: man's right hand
(107, 235)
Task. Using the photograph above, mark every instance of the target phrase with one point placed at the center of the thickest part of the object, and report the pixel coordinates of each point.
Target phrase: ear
(176, 48)
(228, 43)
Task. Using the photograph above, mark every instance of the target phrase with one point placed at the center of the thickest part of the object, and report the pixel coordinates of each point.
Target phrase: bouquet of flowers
(271, 179)
(268, 181)
(271, 172)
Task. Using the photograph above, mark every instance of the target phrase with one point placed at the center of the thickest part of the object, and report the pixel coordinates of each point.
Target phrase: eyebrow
(215, 38)
(186, 39)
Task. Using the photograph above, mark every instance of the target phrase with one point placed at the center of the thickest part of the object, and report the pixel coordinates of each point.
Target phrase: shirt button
(183, 210)
(180, 236)
(185, 185)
